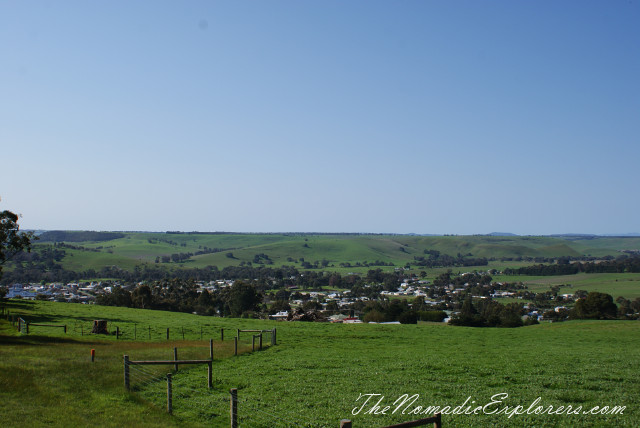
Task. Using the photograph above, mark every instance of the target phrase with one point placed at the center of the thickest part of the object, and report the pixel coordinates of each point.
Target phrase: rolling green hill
(315, 374)
(129, 249)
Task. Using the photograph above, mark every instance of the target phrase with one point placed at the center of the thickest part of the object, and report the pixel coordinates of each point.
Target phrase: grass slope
(136, 247)
(617, 284)
(314, 376)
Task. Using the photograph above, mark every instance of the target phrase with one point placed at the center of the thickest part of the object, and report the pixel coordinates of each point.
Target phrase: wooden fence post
(261, 341)
(167, 333)
(211, 348)
(345, 423)
(175, 357)
(126, 372)
(169, 394)
(275, 336)
(438, 422)
(222, 335)
(117, 332)
(210, 375)
(234, 408)
(235, 345)
(65, 329)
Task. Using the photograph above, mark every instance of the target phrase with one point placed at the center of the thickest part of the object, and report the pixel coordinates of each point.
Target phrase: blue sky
(335, 116)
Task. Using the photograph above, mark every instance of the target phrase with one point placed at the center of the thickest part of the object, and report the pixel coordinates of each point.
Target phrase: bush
(432, 316)
(595, 306)
(408, 317)
(374, 316)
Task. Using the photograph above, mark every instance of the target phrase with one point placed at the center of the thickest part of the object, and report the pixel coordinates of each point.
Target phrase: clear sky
(402, 116)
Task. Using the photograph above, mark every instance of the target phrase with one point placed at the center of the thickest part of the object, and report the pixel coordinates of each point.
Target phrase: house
(282, 315)
(17, 290)
(337, 318)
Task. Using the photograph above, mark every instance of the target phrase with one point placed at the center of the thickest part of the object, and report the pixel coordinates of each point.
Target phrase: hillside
(316, 373)
(128, 249)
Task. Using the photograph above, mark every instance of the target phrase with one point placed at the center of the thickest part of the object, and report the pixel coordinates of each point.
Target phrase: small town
(333, 306)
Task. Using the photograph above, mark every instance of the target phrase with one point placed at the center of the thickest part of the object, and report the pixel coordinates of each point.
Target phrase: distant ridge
(501, 234)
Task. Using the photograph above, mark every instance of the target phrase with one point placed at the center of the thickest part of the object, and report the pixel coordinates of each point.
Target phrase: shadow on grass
(14, 304)
(34, 340)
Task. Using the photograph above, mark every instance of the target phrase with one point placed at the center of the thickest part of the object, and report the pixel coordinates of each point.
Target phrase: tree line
(622, 264)
(435, 258)
(78, 236)
(177, 295)
(43, 266)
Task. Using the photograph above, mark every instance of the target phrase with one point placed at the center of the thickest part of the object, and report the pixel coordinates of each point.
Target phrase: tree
(408, 317)
(121, 296)
(595, 306)
(12, 241)
(279, 306)
(142, 297)
(243, 297)
(311, 305)
(374, 315)
(332, 306)
(468, 315)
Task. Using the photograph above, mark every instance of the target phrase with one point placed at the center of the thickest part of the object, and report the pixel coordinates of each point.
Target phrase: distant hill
(126, 250)
(78, 236)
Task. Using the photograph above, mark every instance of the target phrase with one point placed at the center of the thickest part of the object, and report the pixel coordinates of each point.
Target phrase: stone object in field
(99, 327)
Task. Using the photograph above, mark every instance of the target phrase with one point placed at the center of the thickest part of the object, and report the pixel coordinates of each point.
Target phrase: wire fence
(149, 332)
(198, 403)
(175, 385)
(141, 332)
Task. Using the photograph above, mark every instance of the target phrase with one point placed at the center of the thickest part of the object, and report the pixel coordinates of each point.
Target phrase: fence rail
(128, 363)
(141, 331)
(24, 325)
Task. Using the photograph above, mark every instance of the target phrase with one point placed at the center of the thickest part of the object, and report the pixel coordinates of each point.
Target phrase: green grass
(134, 248)
(317, 371)
(616, 284)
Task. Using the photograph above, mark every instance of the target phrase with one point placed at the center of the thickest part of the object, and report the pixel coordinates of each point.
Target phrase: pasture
(616, 284)
(135, 248)
(316, 373)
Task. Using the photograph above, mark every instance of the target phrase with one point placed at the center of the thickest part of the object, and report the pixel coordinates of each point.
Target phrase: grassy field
(315, 374)
(616, 284)
(135, 248)
(139, 248)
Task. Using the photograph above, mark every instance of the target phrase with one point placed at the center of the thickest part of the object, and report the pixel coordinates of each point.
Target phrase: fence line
(272, 332)
(23, 325)
(139, 377)
(128, 363)
(243, 412)
(142, 331)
